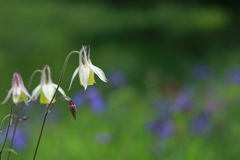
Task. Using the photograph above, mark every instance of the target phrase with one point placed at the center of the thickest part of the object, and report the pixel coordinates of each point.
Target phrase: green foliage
(10, 150)
(156, 45)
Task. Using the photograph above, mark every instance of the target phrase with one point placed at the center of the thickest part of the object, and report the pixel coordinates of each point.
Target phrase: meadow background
(173, 69)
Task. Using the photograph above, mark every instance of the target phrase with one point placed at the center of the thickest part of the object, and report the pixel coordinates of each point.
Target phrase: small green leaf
(2, 122)
(10, 150)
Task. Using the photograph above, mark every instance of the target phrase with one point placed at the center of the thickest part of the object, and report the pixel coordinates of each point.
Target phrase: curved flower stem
(33, 74)
(41, 131)
(61, 76)
(60, 98)
(19, 113)
(51, 104)
(15, 128)
(9, 123)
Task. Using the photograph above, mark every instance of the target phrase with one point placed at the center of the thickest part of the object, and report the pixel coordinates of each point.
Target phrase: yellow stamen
(43, 98)
(21, 97)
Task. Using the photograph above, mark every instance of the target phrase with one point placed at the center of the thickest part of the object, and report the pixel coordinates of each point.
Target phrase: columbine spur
(46, 88)
(18, 91)
(86, 69)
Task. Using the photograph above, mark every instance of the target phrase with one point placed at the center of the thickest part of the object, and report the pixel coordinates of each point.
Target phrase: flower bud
(73, 109)
(24, 118)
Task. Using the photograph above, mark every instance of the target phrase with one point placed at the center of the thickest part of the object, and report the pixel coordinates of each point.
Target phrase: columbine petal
(84, 75)
(8, 96)
(24, 90)
(48, 91)
(74, 75)
(36, 92)
(25, 100)
(86, 69)
(16, 94)
(47, 88)
(98, 72)
(18, 91)
(43, 98)
(59, 89)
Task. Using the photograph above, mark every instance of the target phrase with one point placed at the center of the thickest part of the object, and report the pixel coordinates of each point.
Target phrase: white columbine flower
(46, 88)
(86, 69)
(18, 91)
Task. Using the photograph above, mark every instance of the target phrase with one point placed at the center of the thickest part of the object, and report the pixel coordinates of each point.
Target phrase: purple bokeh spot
(201, 123)
(162, 128)
(92, 93)
(233, 76)
(97, 105)
(91, 96)
(184, 102)
(20, 139)
(78, 99)
(201, 71)
(117, 79)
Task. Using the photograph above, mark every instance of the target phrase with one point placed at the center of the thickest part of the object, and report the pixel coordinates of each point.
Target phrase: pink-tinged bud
(73, 109)
(24, 118)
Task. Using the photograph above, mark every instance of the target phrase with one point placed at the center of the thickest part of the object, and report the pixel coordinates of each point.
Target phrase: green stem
(8, 127)
(41, 131)
(50, 106)
(61, 77)
(15, 128)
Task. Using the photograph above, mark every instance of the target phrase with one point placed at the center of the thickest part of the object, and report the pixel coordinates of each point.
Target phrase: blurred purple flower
(184, 102)
(93, 96)
(117, 79)
(233, 76)
(20, 139)
(92, 93)
(162, 128)
(97, 105)
(201, 71)
(78, 98)
(201, 123)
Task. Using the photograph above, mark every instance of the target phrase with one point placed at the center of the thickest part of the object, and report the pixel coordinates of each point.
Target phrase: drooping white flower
(18, 91)
(86, 70)
(46, 88)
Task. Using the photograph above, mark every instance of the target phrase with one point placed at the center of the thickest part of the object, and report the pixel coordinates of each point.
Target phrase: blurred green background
(173, 71)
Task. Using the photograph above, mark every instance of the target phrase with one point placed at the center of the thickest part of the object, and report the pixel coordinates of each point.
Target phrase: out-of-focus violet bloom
(117, 79)
(184, 102)
(97, 105)
(79, 98)
(92, 93)
(162, 128)
(20, 139)
(93, 96)
(233, 76)
(201, 123)
(201, 71)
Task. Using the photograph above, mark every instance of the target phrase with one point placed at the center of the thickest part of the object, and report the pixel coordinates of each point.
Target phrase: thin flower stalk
(51, 105)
